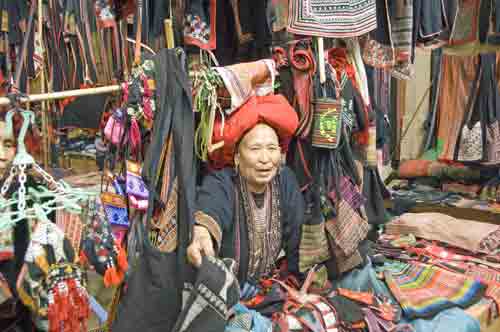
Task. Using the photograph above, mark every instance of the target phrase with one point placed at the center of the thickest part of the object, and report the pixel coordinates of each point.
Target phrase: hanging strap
(25, 44)
(138, 35)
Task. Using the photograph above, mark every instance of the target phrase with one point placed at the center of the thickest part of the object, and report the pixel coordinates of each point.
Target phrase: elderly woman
(253, 211)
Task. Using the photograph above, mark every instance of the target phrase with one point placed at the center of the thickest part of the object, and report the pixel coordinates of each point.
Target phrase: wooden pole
(321, 62)
(64, 94)
(45, 125)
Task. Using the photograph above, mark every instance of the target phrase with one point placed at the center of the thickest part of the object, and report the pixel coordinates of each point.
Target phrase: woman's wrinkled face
(258, 157)
(7, 148)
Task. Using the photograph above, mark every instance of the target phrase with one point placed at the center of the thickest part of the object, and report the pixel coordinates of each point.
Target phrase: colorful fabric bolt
(424, 291)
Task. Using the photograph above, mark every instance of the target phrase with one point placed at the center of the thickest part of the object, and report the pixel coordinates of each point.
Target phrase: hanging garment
(199, 24)
(152, 301)
(457, 75)
(391, 44)
(335, 19)
(465, 28)
(488, 104)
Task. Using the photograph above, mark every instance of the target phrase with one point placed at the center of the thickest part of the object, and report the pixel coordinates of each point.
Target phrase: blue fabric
(259, 322)
(248, 291)
(454, 319)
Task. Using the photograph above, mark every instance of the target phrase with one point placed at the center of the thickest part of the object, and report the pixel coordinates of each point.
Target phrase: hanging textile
(457, 75)
(332, 19)
(157, 279)
(199, 24)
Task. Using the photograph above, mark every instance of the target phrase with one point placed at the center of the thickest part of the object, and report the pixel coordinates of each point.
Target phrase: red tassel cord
(146, 100)
(135, 134)
(121, 257)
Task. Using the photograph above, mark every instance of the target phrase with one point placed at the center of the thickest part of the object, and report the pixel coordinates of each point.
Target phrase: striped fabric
(72, 226)
(423, 290)
(332, 18)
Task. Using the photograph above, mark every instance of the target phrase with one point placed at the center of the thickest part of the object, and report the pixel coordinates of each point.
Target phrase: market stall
(222, 166)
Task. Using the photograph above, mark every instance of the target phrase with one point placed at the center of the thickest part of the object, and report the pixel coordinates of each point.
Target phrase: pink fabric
(465, 234)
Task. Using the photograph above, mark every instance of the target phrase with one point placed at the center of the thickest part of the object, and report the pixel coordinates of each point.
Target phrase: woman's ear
(236, 160)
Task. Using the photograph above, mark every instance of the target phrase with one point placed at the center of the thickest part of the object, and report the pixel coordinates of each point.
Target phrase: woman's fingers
(207, 246)
(194, 254)
(202, 245)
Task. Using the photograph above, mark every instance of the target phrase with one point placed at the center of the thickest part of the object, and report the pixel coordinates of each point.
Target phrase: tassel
(107, 277)
(135, 134)
(83, 258)
(115, 277)
(146, 104)
(51, 312)
(146, 107)
(122, 259)
(125, 93)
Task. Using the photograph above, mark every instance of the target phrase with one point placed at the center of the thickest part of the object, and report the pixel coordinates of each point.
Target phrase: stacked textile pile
(432, 262)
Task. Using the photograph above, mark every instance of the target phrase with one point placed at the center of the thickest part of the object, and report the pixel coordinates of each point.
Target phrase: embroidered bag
(115, 127)
(303, 311)
(327, 117)
(135, 184)
(327, 123)
(101, 249)
(115, 208)
(51, 283)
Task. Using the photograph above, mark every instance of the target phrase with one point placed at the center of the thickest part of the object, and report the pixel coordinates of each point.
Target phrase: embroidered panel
(332, 18)
(264, 229)
(313, 247)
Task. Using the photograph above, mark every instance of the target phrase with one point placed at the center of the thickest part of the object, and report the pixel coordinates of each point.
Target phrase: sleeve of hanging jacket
(293, 215)
(215, 204)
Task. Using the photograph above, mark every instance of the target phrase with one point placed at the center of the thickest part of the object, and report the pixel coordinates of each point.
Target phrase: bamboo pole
(64, 94)
(321, 62)
(45, 125)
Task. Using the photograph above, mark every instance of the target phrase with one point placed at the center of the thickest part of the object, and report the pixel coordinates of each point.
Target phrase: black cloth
(153, 299)
(375, 192)
(216, 198)
(215, 292)
(84, 112)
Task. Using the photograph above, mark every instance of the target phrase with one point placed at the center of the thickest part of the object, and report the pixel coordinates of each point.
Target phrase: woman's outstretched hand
(201, 245)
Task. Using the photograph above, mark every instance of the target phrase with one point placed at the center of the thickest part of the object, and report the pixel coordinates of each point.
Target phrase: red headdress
(273, 110)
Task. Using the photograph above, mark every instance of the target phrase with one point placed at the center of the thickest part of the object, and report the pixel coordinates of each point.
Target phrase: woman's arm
(214, 214)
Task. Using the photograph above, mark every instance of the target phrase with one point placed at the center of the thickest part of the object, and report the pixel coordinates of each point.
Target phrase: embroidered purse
(135, 185)
(327, 123)
(115, 127)
(115, 209)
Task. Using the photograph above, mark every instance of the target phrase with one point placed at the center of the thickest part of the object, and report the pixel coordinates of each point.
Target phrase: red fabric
(414, 168)
(273, 110)
(337, 58)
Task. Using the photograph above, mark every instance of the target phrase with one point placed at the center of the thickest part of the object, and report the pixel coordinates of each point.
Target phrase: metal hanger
(55, 195)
